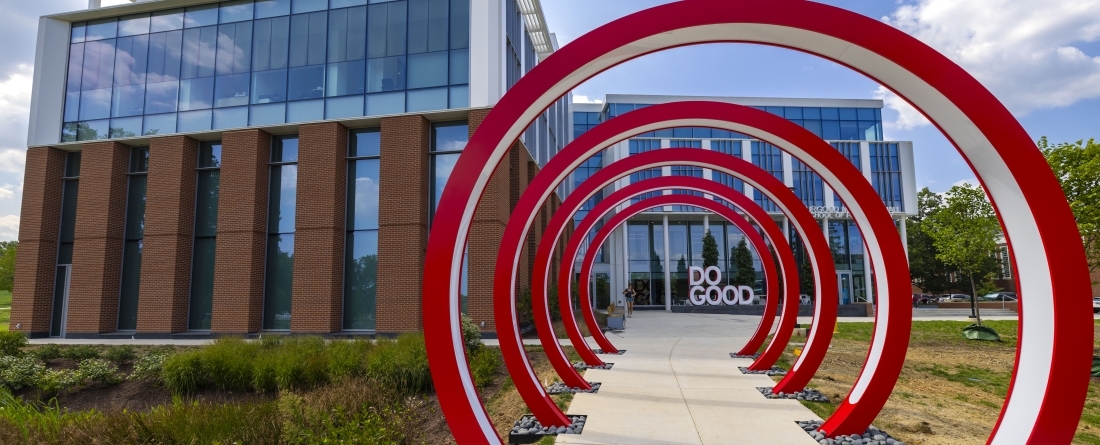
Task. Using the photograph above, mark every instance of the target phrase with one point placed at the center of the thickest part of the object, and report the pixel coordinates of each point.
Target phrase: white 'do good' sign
(713, 294)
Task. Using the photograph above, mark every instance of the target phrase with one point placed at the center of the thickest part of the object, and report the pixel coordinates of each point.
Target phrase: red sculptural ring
(1053, 276)
(771, 231)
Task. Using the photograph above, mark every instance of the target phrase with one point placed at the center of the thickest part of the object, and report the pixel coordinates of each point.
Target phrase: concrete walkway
(677, 384)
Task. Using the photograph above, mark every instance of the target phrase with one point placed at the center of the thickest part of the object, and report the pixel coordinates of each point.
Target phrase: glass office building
(201, 167)
(635, 254)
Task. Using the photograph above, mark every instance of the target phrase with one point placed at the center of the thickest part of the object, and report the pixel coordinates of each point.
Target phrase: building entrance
(844, 285)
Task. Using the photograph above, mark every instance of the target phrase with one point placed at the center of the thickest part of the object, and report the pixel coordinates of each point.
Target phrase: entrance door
(844, 284)
(60, 301)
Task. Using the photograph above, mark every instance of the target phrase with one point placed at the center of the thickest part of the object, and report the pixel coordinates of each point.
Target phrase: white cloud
(7, 191)
(970, 181)
(9, 227)
(908, 117)
(1022, 50)
(582, 99)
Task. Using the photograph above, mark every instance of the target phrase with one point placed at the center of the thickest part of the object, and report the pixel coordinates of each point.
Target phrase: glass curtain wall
(448, 139)
(769, 158)
(134, 234)
(808, 186)
(206, 235)
(243, 62)
(282, 205)
(70, 188)
(637, 146)
(361, 270)
(646, 245)
(832, 124)
(886, 174)
(851, 152)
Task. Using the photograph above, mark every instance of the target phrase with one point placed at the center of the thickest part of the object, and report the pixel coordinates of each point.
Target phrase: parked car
(1096, 305)
(1000, 296)
(923, 299)
(955, 298)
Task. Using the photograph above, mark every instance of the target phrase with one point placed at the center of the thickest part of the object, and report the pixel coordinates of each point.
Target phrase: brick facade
(318, 289)
(242, 232)
(169, 231)
(97, 244)
(402, 222)
(240, 252)
(39, 225)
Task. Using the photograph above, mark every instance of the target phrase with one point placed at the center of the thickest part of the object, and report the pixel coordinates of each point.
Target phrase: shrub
(119, 354)
(302, 363)
(347, 358)
(48, 351)
(12, 343)
(19, 372)
(53, 381)
(183, 373)
(484, 364)
(263, 372)
(401, 364)
(471, 335)
(228, 363)
(98, 372)
(524, 313)
(149, 367)
(80, 352)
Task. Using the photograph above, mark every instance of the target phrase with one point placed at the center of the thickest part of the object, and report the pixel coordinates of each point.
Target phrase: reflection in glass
(280, 271)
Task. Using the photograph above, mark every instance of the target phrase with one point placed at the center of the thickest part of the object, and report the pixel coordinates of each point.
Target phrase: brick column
(169, 234)
(403, 222)
(485, 235)
(97, 243)
(39, 226)
(318, 289)
(242, 232)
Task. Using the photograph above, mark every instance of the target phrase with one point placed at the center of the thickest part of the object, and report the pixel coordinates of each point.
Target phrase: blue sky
(750, 70)
(1040, 57)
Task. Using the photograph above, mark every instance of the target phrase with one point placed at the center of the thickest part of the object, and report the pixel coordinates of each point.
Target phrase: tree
(710, 250)
(742, 258)
(1077, 166)
(7, 264)
(806, 276)
(777, 292)
(925, 269)
(964, 232)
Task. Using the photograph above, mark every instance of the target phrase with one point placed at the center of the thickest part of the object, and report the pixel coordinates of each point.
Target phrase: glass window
(131, 60)
(193, 121)
(460, 24)
(386, 103)
(361, 280)
(271, 44)
(346, 78)
(460, 97)
(460, 67)
(428, 29)
(300, 6)
(133, 25)
(267, 114)
(280, 245)
(428, 70)
(847, 114)
(363, 209)
(169, 20)
(199, 52)
(99, 61)
(347, 34)
(230, 118)
(307, 82)
(366, 143)
(161, 97)
(204, 15)
(307, 39)
(304, 111)
(128, 101)
(333, 4)
(78, 31)
(235, 11)
(386, 74)
(340, 107)
(95, 104)
(101, 29)
(272, 8)
(165, 52)
(196, 94)
(234, 48)
(231, 91)
(269, 86)
(125, 128)
(159, 124)
(425, 100)
(134, 234)
(386, 29)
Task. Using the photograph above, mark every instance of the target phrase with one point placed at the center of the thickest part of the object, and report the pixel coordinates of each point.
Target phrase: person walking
(628, 295)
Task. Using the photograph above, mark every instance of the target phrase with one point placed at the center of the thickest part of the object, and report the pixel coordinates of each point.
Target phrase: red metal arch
(770, 229)
(1052, 272)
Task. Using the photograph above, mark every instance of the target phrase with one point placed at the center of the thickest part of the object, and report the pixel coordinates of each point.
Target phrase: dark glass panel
(206, 204)
(280, 271)
(307, 39)
(234, 48)
(269, 86)
(428, 25)
(347, 34)
(366, 143)
(307, 82)
(363, 188)
(386, 25)
(386, 74)
(199, 52)
(346, 78)
(68, 211)
(161, 97)
(360, 288)
(99, 61)
(196, 94)
(460, 24)
(450, 137)
(272, 43)
(284, 181)
(131, 60)
(427, 70)
(165, 52)
(202, 284)
(210, 155)
(231, 90)
(128, 101)
(131, 283)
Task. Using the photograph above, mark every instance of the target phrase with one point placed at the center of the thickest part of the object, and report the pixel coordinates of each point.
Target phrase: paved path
(677, 384)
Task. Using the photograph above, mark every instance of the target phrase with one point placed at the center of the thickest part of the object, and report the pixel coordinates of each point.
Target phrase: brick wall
(39, 221)
(318, 289)
(169, 228)
(486, 232)
(403, 222)
(97, 244)
(242, 232)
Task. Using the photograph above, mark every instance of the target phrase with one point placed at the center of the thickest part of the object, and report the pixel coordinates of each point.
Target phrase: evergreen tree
(746, 273)
(710, 250)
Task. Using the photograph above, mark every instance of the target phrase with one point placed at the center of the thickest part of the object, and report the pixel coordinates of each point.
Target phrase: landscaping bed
(951, 389)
